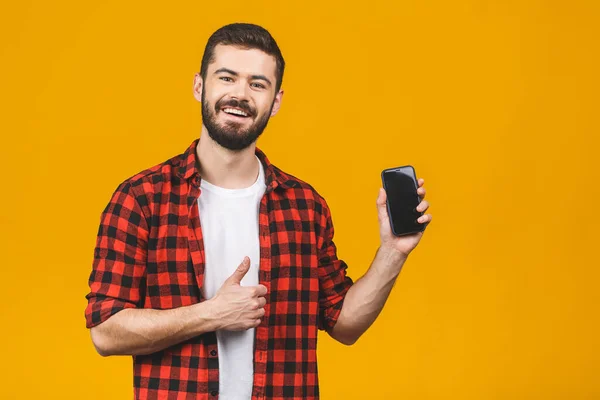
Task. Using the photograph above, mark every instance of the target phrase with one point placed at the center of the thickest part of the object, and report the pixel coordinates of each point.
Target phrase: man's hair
(246, 36)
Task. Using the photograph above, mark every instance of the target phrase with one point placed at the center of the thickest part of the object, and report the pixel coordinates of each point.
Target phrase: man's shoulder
(150, 179)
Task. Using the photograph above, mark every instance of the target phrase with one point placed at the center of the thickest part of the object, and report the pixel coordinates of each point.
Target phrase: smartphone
(401, 185)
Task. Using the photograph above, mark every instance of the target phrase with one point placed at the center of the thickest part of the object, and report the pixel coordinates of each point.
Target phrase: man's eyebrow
(254, 77)
(227, 70)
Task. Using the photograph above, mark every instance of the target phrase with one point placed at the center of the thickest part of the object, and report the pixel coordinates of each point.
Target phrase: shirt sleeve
(333, 281)
(119, 264)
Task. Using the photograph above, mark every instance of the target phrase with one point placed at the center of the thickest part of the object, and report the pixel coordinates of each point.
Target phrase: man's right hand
(236, 307)
(139, 331)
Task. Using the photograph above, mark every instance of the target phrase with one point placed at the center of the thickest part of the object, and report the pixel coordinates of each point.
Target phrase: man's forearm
(145, 331)
(366, 298)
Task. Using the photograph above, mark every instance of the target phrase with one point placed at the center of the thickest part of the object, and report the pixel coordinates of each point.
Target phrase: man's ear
(277, 103)
(197, 88)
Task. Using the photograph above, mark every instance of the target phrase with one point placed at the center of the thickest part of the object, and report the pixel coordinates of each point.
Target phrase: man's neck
(225, 168)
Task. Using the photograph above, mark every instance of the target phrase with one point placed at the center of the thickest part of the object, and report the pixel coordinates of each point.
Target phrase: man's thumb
(240, 271)
(382, 205)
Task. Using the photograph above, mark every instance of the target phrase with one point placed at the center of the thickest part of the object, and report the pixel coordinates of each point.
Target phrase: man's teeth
(235, 111)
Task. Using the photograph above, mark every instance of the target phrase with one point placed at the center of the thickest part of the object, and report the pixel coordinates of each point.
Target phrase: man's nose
(240, 90)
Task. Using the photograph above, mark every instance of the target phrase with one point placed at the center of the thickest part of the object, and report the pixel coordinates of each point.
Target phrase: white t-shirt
(229, 221)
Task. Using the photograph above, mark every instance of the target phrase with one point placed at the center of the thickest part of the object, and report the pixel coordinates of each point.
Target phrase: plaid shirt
(149, 254)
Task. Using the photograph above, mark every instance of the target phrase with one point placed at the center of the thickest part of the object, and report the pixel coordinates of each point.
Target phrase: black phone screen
(400, 185)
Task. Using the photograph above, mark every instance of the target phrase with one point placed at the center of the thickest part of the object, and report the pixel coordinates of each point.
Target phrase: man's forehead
(242, 60)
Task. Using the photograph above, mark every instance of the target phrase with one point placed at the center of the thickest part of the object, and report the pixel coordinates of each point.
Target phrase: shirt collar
(274, 177)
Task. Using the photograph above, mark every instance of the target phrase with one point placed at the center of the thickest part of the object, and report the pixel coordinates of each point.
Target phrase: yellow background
(495, 103)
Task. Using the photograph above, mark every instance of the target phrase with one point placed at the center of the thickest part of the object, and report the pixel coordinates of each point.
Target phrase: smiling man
(215, 269)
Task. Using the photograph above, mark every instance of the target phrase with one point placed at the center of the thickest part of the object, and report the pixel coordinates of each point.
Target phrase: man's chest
(280, 235)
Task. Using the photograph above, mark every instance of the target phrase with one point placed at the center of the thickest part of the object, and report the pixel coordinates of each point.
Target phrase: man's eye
(226, 79)
(259, 85)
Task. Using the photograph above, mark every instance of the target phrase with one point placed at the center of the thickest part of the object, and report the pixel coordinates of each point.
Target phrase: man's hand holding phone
(401, 210)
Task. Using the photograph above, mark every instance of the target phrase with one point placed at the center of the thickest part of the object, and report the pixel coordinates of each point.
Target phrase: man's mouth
(235, 112)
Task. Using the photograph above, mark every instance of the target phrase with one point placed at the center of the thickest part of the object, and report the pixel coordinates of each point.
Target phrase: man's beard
(232, 136)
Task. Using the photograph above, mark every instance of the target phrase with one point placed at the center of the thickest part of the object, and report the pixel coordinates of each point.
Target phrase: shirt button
(214, 393)
(213, 353)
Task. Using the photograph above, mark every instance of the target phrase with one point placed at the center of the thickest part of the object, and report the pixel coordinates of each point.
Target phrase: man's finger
(239, 273)
(260, 290)
(425, 219)
(423, 206)
(381, 205)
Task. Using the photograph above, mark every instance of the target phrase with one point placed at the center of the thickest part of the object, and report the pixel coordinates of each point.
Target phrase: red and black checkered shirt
(149, 254)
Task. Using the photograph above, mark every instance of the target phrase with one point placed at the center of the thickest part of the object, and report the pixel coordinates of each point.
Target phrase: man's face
(238, 95)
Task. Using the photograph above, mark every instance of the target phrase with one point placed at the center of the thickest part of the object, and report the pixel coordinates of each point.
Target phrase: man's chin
(233, 133)
(232, 140)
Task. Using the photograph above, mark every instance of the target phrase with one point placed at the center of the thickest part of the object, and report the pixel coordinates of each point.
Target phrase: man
(215, 269)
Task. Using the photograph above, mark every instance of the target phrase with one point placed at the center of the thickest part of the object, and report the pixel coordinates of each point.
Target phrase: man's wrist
(390, 260)
(391, 255)
(207, 318)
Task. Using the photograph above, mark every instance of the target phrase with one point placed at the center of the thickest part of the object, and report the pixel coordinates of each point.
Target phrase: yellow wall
(495, 103)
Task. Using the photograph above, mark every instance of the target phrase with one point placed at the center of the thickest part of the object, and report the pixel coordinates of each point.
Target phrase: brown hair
(247, 36)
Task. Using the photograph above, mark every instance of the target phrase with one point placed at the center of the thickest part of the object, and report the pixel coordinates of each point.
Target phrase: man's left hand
(403, 244)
